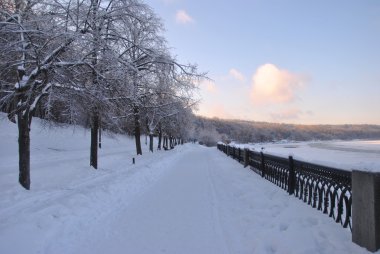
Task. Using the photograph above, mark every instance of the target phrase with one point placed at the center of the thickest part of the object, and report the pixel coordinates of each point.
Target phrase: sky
(286, 61)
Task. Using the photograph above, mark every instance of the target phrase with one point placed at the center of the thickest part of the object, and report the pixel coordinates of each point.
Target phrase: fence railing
(324, 188)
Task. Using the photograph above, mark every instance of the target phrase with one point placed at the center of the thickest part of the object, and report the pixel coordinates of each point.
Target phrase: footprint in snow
(312, 221)
(283, 227)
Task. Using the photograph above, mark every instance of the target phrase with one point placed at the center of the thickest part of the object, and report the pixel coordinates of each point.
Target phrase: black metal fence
(324, 188)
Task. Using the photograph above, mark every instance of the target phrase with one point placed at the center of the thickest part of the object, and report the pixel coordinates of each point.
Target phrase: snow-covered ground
(188, 200)
(348, 155)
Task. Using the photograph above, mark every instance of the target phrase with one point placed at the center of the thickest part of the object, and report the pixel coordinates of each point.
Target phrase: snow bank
(67, 196)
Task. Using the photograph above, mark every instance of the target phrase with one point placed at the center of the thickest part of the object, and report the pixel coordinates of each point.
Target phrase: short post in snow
(262, 164)
(246, 157)
(291, 177)
(366, 209)
(133, 160)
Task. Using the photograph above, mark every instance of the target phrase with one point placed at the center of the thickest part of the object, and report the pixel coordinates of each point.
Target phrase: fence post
(292, 176)
(246, 157)
(262, 165)
(239, 154)
(366, 209)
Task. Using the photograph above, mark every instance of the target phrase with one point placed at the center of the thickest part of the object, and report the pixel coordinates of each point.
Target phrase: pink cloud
(214, 110)
(236, 74)
(288, 114)
(182, 17)
(271, 85)
(208, 86)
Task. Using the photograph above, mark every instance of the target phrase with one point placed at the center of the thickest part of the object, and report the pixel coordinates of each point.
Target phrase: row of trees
(102, 62)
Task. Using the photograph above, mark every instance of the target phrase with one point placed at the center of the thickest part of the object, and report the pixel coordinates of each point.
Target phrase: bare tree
(31, 43)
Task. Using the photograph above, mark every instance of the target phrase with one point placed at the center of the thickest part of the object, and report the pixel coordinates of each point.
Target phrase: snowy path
(208, 203)
(177, 215)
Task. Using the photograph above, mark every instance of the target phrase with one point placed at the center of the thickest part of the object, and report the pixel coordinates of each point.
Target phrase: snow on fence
(324, 188)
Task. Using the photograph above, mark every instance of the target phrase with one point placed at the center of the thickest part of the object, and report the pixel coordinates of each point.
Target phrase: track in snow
(176, 215)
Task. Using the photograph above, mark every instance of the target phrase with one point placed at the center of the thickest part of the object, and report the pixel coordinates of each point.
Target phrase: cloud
(291, 114)
(182, 17)
(236, 74)
(288, 114)
(271, 85)
(226, 96)
(169, 1)
(213, 110)
(208, 86)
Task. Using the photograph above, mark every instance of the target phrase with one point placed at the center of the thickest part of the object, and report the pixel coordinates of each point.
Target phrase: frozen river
(348, 155)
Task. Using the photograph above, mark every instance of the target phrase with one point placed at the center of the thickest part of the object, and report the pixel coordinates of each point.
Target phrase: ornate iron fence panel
(254, 161)
(277, 170)
(240, 155)
(324, 188)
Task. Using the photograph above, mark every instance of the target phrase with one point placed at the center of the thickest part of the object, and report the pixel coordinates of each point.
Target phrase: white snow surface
(363, 155)
(188, 200)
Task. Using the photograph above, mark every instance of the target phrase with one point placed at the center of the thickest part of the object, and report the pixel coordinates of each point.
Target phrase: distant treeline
(211, 130)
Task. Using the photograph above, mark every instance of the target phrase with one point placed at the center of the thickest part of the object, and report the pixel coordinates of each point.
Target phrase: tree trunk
(24, 149)
(151, 142)
(94, 141)
(159, 138)
(100, 136)
(165, 145)
(137, 131)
